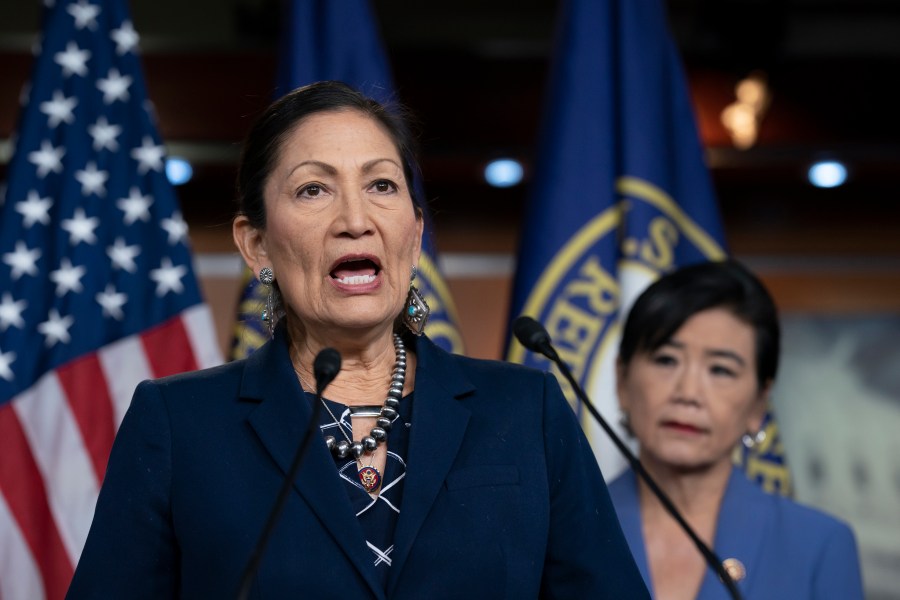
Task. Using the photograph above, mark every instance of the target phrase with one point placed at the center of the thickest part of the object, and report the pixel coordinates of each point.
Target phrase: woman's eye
(309, 191)
(383, 186)
(723, 371)
(665, 360)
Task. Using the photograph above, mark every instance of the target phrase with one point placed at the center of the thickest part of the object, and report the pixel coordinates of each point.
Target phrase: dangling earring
(752, 441)
(416, 311)
(267, 278)
(625, 424)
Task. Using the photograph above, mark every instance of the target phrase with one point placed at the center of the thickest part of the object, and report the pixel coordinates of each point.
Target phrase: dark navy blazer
(502, 497)
(789, 551)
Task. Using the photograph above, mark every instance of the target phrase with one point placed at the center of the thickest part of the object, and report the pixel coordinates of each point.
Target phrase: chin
(692, 464)
(366, 322)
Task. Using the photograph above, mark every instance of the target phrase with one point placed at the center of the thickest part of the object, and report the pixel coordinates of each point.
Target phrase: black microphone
(326, 366)
(534, 337)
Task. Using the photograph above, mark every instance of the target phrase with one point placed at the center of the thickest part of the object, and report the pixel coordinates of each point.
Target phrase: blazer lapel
(438, 425)
(740, 532)
(280, 421)
(628, 509)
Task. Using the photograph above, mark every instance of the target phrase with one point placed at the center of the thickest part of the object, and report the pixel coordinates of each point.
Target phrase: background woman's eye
(722, 370)
(664, 359)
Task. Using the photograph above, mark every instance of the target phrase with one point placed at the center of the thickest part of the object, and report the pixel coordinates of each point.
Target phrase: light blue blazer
(789, 551)
(502, 497)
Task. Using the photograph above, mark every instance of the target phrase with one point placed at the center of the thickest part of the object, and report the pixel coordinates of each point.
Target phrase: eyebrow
(331, 170)
(715, 352)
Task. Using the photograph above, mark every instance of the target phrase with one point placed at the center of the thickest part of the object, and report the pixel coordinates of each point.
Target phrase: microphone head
(326, 366)
(532, 335)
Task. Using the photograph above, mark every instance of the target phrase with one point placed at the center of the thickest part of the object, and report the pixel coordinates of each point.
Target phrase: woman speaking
(434, 476)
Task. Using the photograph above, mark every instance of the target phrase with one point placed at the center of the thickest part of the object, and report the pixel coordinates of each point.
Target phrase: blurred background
(474, 74)
(777, 85)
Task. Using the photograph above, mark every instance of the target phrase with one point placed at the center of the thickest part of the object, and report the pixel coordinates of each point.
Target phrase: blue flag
(339, 40)
(621, 193)
(97, 290)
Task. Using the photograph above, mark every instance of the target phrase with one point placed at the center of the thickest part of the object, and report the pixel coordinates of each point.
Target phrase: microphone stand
(533, 336)
(325, 367)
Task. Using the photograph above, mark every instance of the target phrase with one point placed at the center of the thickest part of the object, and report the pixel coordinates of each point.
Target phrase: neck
(696, 493)
(367, 361)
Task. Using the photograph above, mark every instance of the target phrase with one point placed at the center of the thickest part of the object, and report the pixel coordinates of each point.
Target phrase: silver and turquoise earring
(267, 278)
(415, 311)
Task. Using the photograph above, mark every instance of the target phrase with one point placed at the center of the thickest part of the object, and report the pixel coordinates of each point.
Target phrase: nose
(353, 218)
(688, 387)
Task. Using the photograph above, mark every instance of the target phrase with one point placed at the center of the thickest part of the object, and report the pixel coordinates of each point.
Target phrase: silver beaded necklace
(369, 477)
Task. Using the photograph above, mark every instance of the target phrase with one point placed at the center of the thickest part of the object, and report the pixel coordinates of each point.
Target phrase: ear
(420, 230)
(760, 407)
(250, 242)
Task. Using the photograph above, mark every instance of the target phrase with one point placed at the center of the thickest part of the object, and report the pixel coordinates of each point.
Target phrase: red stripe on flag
(23, 488)
(86, 390)
(169, 349)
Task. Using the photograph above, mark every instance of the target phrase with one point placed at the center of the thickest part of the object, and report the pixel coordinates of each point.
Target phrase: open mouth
(358, 271)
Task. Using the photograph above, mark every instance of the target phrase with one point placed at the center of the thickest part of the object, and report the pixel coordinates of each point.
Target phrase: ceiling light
(827, 174)
(503, 172)
(178, 170)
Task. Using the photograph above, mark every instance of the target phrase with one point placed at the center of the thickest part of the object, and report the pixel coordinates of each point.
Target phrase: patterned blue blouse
(377, 516)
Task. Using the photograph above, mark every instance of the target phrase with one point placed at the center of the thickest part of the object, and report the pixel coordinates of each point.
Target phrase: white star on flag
(148, 155)
(136, 206)
(81, 227)
(123, 256)
(168, 277)
(56, 328)
(34, 209)
(112, 302)
(114, 87)
(6, 359)
(104, 135)
(73, 60)
(67, 278)
(11, 312)
(59, 110)
(47, 159)
(92, 180)
(125, 37)
(22, 261)
(175, 227)
(85, 14)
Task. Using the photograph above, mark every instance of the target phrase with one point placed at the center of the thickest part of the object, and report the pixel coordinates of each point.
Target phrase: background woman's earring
(415, 311)
(752, 441)
(625, 424)
(267, 278)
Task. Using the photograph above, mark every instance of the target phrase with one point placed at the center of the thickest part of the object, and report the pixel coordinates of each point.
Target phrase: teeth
(357, 279)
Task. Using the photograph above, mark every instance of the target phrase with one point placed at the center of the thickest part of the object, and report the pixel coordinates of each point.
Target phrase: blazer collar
(280, 421)
(439, 423)
(628, 509)
(740, 528)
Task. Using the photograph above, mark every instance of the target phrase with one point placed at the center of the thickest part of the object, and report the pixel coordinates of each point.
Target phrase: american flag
(97, 290)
